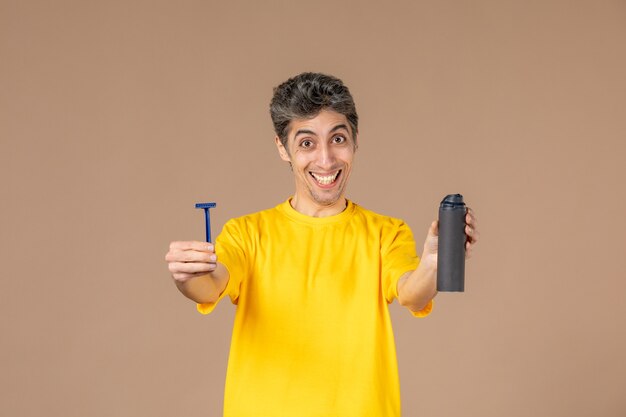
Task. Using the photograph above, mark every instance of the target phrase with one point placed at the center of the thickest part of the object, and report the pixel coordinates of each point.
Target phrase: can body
(451, 250)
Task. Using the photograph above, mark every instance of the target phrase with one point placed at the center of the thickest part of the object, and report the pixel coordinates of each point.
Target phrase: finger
(192, 245)
(468, 250)
(470, 232)
(191, 267)
(183, 276)
(471, 235)
(470, 217)
(190, 256)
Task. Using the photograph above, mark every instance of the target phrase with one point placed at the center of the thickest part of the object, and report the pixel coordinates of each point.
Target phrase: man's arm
(417, 288)
(196, 272)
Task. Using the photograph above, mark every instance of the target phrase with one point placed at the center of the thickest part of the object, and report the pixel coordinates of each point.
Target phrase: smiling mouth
(325, 179)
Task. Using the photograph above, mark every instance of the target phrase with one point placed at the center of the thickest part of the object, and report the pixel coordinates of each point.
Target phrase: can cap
(453, 201)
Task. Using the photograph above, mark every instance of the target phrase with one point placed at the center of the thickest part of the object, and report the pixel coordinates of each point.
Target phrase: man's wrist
(428, 264)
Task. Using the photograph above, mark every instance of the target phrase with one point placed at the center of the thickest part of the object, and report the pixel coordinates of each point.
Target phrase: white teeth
(325, 180)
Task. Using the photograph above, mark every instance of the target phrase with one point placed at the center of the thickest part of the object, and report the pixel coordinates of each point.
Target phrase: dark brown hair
(305, 95)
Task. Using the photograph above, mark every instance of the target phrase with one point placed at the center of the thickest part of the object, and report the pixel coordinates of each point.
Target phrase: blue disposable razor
(207, 218)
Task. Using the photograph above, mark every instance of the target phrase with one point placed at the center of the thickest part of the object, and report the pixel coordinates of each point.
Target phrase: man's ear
(284, 155)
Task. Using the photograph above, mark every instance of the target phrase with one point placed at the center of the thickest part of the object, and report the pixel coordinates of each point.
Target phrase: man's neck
(313, 209)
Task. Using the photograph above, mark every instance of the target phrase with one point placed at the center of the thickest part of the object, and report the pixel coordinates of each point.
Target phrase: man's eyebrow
(303, 131)
(339, 127)
(310, 132)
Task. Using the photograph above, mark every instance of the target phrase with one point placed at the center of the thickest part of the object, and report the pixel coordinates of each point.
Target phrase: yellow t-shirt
(312, 335)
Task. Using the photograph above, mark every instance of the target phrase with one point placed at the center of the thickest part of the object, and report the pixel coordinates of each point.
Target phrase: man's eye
(306, 144)
(339, 139)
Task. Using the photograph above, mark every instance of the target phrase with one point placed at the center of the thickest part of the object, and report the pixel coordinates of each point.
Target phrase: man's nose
(327, 156)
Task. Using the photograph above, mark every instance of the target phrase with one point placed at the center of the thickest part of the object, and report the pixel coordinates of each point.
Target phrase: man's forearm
(205, 288)
(417, 288)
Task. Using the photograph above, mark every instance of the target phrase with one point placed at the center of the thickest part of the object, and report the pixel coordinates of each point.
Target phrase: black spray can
(451, 251)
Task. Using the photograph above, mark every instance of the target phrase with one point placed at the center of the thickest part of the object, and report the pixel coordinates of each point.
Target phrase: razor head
(205, 205)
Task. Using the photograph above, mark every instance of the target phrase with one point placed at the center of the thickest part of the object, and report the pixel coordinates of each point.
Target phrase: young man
(312, 277)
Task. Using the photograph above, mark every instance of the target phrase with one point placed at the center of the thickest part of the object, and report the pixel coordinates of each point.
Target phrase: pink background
(116, 117)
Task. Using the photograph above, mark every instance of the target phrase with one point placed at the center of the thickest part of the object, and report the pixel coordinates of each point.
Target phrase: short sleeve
(398, 256)
(425, 311)
(230, 248)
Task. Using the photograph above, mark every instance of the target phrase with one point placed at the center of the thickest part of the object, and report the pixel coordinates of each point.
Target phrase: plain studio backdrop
(117, 117)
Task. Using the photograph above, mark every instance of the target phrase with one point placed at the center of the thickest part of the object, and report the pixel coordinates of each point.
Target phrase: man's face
(321, 151)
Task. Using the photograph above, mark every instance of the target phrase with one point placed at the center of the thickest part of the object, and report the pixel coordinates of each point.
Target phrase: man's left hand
(431, 245)
(471, 231)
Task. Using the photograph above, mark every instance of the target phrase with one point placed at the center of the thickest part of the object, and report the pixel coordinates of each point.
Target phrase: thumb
(434, 229)
(432, 239)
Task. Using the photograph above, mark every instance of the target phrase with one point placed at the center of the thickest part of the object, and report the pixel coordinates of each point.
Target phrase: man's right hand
(196, 272)
(187, 260)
